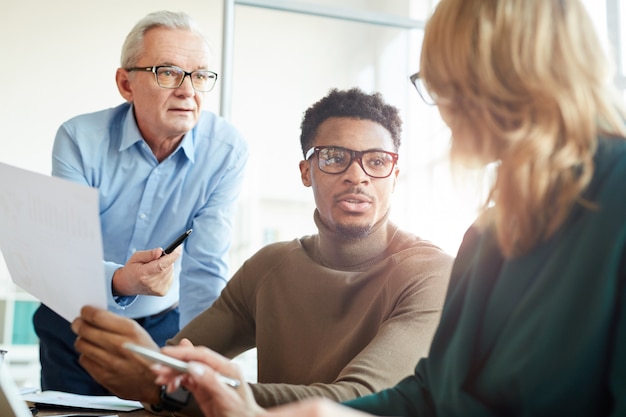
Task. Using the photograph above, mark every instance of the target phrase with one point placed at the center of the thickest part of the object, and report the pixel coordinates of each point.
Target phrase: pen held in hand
(179, 240)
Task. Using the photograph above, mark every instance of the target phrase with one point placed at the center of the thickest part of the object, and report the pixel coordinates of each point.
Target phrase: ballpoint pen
(180, 239)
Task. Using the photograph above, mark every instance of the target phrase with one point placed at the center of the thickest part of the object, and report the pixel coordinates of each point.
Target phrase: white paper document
(94, 402)
(51, 240)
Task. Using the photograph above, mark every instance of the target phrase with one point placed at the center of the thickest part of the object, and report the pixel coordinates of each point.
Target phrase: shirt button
(142, 216)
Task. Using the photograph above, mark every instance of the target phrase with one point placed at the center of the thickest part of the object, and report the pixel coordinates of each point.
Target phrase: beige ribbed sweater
(330, 317)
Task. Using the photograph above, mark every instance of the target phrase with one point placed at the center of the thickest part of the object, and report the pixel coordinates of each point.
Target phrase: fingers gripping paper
(51, 240)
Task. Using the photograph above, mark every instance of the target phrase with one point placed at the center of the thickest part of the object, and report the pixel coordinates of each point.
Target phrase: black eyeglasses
(428, 97)
(335, 160)
(170, 76)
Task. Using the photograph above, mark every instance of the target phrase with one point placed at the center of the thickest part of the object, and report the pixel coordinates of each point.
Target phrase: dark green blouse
(539, 335)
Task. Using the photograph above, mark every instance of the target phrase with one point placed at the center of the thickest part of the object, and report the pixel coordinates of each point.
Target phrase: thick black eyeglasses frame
(358, 155)
(155, 68)
(424, 95)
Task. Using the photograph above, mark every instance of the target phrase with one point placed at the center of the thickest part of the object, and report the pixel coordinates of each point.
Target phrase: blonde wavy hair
(530, 87)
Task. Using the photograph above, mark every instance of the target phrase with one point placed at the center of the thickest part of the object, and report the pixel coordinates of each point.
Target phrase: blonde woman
(534, 322)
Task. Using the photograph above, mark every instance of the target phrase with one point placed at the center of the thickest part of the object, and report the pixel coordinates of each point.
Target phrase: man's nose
(187, 86)
(355, 171)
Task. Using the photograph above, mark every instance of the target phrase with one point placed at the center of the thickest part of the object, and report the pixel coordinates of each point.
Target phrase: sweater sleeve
(226, 327)
(403, 337)
(410, 397)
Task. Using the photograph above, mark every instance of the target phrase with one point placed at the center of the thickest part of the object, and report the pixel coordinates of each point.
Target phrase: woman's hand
(214, 397)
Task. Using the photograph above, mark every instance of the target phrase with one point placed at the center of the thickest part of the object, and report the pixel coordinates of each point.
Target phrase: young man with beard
(339, 314)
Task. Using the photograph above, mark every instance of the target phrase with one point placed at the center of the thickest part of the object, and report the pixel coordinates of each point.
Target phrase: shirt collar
(132, 135)
(189, 145)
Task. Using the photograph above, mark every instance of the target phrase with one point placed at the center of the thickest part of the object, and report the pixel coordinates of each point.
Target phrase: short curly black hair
(352, 103)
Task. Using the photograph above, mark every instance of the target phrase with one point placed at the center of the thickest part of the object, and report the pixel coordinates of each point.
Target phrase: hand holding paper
(51, 240)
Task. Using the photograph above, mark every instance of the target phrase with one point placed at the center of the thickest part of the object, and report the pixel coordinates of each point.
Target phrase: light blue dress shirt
(146, 204)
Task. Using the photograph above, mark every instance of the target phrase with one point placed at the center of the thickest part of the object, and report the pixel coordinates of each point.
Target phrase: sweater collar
(336, 251)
